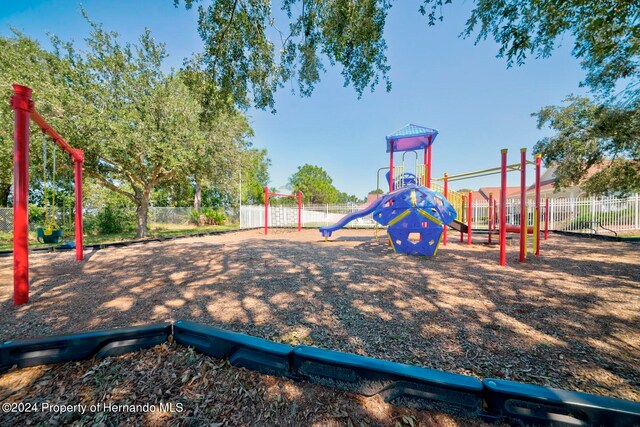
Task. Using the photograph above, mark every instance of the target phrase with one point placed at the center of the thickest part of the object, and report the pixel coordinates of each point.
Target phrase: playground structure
(414, 214)
(412, 138)
(268, 195)
(24, 111)
(499, 216)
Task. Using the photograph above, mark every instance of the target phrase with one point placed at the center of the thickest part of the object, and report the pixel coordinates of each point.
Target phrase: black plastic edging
(68, 348)
(537, 405)
(242, 350)
(598, 236)
(399, 384)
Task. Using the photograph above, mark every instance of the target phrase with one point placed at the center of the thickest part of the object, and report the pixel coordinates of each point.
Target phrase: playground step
(459, 226)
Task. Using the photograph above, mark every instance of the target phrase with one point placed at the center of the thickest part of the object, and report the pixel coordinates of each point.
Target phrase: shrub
(113, 220)
(207, 216)
(194, 217)
(213, 217)
(37, 215)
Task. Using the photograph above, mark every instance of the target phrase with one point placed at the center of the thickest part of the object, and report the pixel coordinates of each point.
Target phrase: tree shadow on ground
(566, 319)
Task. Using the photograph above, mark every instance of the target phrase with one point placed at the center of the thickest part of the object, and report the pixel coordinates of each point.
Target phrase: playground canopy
(411, 137)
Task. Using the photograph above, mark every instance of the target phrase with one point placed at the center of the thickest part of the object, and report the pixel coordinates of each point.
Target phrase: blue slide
(326, 231)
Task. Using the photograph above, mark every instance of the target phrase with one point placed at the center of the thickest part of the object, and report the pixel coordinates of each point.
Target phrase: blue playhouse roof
(411, 137)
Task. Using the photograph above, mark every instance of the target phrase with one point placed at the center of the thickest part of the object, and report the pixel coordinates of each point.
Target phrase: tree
(246, 66)
(24, 62)
(316, 185)
(588, 135)
(139, 127)
(246, 69)
(255, 176)
(606, 39)
(376, 191)
(606, 34)
(348, 198)
(227, 132)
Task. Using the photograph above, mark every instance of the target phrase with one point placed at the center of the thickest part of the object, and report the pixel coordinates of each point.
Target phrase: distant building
(548, 180)
(372, 197)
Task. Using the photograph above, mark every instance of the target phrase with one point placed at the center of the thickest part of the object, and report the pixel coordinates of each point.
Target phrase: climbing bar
(515, 166)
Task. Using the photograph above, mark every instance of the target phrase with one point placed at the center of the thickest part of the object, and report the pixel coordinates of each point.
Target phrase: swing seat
(49, 235)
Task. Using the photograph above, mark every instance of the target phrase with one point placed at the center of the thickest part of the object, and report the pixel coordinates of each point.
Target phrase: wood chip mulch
(173, 385)
(569, 318)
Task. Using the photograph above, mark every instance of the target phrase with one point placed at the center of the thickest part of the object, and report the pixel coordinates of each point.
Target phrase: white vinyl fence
(601, 215)
(312, 216)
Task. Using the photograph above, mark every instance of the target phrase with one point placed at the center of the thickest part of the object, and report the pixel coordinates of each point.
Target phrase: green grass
(155, 231)
(631, 234)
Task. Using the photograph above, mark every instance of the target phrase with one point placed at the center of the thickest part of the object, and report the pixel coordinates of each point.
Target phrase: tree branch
(224, 32)
(112, 186)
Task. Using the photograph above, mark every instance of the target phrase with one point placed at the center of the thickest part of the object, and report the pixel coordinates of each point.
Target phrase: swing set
(50, 232)
(24, 111)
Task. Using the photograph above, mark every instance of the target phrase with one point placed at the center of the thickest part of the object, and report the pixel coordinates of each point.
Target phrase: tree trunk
(142, 212)
(5, 190)
(197, 199)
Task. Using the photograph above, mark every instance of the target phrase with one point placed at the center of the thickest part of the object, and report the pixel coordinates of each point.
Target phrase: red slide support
(537, 211)
(24, 110)
(446, 195)
(469, 217)
(523, 204)
(268, 195)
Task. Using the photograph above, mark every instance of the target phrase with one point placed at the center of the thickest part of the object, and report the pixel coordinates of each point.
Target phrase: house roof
(411, 137)
(548, 178)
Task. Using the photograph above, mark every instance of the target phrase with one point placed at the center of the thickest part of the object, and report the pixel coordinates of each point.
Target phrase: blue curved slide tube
(326, 231)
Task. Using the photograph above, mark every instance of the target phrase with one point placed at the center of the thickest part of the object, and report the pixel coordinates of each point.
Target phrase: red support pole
(425, 162)
(523, 201)
(266, 210)
(391, 166)
(446, 196)
(490, 215)
(536, 219)
(429, 167)
(503, 208)
(469, 217)
(495, 214)
(21, 104)
(546, 219)
(464, 202)
(78, 193)
(299, 210)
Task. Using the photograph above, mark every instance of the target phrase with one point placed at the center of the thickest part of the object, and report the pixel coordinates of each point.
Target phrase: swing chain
(49, 217)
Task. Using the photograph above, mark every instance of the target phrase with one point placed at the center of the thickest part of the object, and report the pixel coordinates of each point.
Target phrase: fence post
(637, 212)
(593, 214)
(266, 210)
(326, 216)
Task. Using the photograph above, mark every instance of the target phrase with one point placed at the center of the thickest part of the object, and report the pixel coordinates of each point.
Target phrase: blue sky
(439, 80)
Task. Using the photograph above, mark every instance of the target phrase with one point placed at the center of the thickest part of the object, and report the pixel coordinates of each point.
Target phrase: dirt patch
(567, 319)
